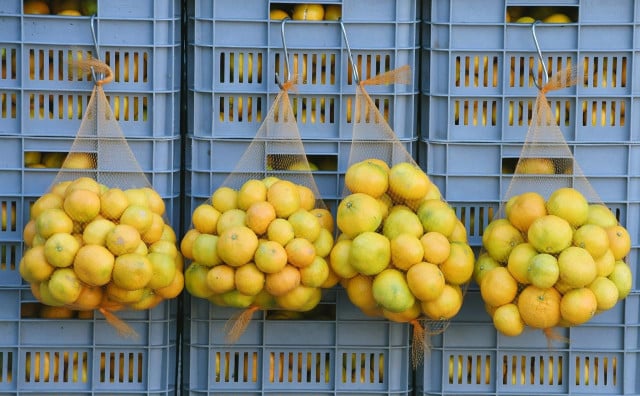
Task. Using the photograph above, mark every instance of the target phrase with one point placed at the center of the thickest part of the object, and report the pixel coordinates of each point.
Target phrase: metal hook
(545, 76)
(286, 55)
(96, 48)
(354, 69)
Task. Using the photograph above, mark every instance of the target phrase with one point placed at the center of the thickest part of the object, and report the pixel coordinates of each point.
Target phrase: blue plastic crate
(343, 353)
(43, 94)
(471, 357)
(158, 158)
(85, 356)
(479, 71)
(239, 52)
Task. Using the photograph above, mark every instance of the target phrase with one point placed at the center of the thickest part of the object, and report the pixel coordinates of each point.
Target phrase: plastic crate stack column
(477, 95)
(234, 54)
(43, 98)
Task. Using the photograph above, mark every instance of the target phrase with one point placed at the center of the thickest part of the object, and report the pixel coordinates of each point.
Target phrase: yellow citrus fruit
(370, 253)
(46, 201)
(237, 245)
(406, 250)
(484, 263)
(284, 197)
(544, 270)
(425, 281)
(249, 280)
(601, 215)
(407, 181)
(64, 285)
(518, 261)
(339, 259)
(605, 263)
(300, 252)
(458, 267)
(579, 305)
(446, 305)
(90, 298)
(231, 218)
(259, 215)
(270, 256)
(137, 196)
(498, 287)
(168, 234)
(315, 274)
(280, 231)
(367, 177)
(606, 293)
(332, 279)
(437, 215)
(524, 209)
(283, 281)
(332, 12)
(122, 239)
(499, 239)
(251, 191)
(205, 218)
(156, 203)
(324, 243)
(391, 291)
(325, 218)
(186, 244)
(221, 279)
(277, 14)
(236, 299)
(622, 277)
(33, 266)
(539, 308)
(44, 294)
(205, 250)
(301, 298)
(577, 267)
(36, 7)
(120, 295)
(592, 238)
(402, 222)
(307, 197)
(163, 269)
(619, 241)
(307, 12)
(224, 198)
(131, 271)
(358, 213)
(83, 183)
(569, 204)
(174, 288)
(360, 292)
(537, 166)
(137, 216)
(60, 249)
(112, 203)
(436, 247)
(93, 264)
(155, 231)
(408, 315)
(305, 225)
(95, 232)
(550, 234)
(507, 320)
(52, 221)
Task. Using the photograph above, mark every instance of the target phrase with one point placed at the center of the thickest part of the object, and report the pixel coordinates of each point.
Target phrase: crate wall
(85, 355)
(336, 350)
(235, 55)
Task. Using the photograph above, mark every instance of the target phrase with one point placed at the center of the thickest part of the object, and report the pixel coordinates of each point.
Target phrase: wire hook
(545, 76)
(286, 55)
(96, 48)
(354, 69)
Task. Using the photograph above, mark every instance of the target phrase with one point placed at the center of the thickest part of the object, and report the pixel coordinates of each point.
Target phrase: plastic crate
(235, 55)
(86, 356)
(479, 71)
(471, 357)
(348, 353)
(41, 92)
(159, 159)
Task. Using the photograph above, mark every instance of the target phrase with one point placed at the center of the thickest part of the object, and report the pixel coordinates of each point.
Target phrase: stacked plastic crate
(478, 90)
(234, 54)
(43, 99)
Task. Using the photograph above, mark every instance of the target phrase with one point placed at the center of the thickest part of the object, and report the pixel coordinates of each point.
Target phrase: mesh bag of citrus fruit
(401, 252)
(261, 241)
(98, 239)
(555, 254)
